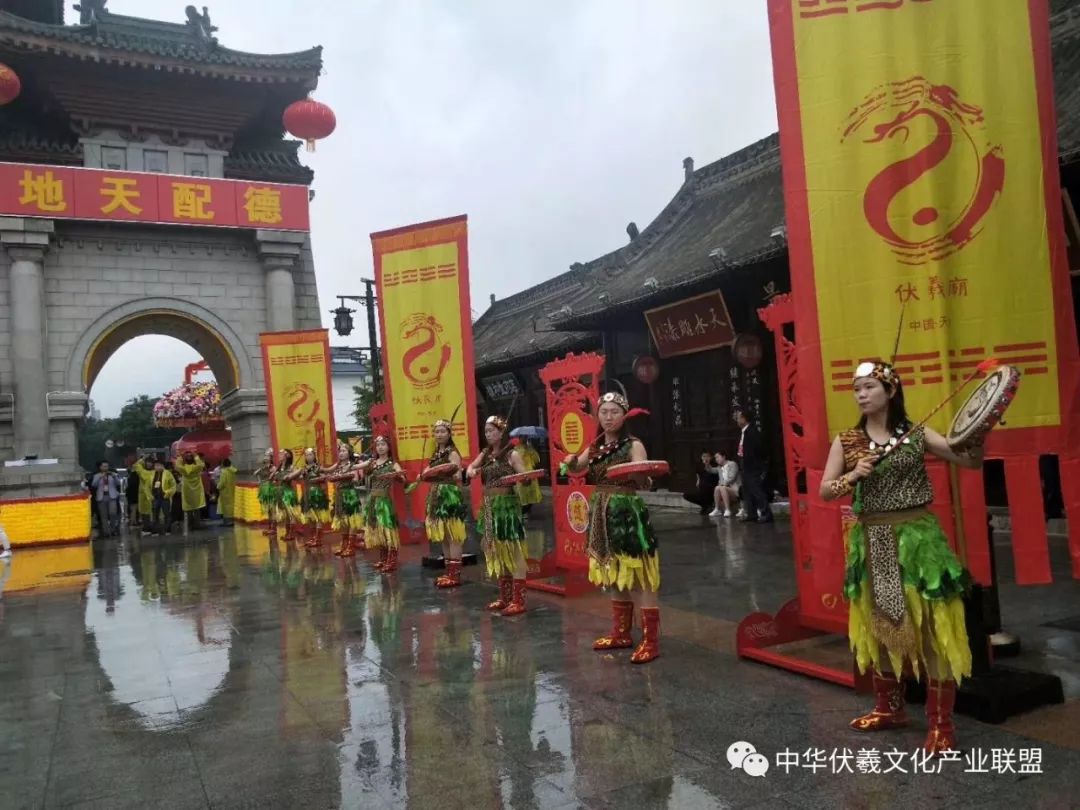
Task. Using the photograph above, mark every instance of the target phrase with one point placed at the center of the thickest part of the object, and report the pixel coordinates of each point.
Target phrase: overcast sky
(551, 125)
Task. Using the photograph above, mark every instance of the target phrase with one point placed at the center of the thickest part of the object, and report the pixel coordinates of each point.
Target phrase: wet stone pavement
(225, 670)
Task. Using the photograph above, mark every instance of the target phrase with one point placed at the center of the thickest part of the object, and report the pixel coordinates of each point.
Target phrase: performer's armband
(841, 487)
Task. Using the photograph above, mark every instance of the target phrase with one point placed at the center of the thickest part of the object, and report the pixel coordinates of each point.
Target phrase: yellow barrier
(37, 521)
(247, 506)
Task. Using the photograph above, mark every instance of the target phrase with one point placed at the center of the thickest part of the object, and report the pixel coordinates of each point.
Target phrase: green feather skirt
(290, 504)
(445, 514)
(348, 510)
(622, 544)
(381, 523)
(503, 534)
(932, 635)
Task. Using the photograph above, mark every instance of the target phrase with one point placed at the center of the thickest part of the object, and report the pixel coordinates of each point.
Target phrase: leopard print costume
(900, 484)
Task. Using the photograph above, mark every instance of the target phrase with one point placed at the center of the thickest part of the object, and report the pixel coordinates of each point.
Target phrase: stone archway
(77, 291)
(243, 399)
(189, 323)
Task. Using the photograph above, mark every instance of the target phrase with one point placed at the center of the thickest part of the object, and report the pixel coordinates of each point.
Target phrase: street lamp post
(343, 325)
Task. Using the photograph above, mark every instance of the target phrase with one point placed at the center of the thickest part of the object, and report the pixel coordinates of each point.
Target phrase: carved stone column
(280, 255)
(26, 242)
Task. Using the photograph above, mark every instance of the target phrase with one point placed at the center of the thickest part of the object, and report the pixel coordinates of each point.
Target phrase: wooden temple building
(722, 234)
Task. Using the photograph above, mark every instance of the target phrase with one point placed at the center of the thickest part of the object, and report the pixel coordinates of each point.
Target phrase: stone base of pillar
(40, 481)
(245, 411)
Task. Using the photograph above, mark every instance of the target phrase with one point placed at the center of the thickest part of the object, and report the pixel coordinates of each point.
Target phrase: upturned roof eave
(82, 42)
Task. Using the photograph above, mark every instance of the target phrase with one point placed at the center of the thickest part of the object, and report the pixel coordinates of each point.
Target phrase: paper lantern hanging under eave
(310, 120)
(10, 85)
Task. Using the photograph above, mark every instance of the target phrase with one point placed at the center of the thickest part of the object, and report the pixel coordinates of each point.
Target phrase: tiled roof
(276, 164)
(133, 40)
(516, 330)
(24, 147)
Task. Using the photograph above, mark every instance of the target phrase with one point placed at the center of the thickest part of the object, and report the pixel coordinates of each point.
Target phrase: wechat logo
(744, 756)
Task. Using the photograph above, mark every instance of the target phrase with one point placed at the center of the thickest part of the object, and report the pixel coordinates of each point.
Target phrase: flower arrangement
(193, 404)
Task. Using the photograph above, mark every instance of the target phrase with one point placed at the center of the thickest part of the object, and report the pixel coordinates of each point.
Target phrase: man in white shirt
(727, 490)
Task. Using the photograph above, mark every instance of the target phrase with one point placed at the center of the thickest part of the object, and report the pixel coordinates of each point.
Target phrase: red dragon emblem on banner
(934, 201)
(428, 354)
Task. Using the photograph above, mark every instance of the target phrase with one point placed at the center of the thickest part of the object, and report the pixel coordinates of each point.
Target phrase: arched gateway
(144, 189)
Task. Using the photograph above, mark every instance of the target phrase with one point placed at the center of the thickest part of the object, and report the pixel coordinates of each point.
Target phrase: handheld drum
(983, 409)
(651, 468)
(440, 472)
(518, 478)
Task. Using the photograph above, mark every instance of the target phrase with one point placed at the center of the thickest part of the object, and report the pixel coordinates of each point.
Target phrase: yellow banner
(422, 278)
(924, 189)
(297, 370)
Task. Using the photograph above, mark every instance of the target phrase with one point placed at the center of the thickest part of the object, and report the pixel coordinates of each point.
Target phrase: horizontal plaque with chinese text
(692, 325)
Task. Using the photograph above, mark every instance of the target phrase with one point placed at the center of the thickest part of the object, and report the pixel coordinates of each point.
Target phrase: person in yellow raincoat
(192, 494)
(529, 492)
(144, 474)
(160, 486)
(226, 492)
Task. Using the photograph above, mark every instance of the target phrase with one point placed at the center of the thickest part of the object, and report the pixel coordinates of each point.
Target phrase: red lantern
(310, 120)
(10, 86)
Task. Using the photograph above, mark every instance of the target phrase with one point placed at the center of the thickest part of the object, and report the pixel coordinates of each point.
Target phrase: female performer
(346, 510)
(269, 492)
(501, 522)
(622, 545)
(380, 519)
(289, 510)
(446, 508)
(315, 504)
(903, 581)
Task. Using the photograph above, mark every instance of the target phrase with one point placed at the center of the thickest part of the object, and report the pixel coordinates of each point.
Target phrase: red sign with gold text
(64, 192)
(689, 326)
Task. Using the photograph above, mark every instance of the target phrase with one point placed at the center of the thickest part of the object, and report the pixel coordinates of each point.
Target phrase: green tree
(133, 428)
(366, 397)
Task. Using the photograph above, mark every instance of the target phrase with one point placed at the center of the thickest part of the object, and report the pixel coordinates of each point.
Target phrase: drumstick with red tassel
(986, 366)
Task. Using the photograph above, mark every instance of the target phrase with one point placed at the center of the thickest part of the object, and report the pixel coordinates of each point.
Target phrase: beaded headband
(614, 397)
(445, 424)
(497, 421)
(882, 372)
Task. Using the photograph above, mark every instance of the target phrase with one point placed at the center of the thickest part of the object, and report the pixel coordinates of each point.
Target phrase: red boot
(381, 564)
(391, 561)
(316, 537)
(452, 577)
(517, 600)
(623, 620)
(358, 541)
(346, 548)
(888, 709)
(506, 586)
(940, 699)
(271, 530)
(649, 648)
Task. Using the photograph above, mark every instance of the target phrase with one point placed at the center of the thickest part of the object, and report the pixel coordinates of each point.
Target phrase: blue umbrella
(529, 432)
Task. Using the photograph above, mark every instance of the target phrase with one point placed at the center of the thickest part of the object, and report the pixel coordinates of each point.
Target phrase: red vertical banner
(572, 386)
(425, 316)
